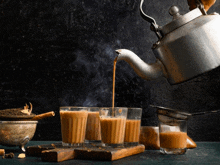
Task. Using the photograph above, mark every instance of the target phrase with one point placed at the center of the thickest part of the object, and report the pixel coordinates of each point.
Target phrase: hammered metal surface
(16, 133)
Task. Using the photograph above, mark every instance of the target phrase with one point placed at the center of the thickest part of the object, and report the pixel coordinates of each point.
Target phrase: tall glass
(133, 125)
(113, 122)
(73, 125)
(93, 129)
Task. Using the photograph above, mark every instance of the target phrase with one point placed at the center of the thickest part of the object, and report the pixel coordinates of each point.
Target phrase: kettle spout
(145, 71)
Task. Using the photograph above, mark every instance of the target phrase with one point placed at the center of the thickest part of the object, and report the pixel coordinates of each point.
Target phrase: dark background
(60, 53)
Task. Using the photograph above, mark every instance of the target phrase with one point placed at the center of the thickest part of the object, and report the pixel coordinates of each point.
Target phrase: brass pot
(17, 133)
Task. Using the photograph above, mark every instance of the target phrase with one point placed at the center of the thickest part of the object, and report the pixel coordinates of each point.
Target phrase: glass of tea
(173, 138)
(172, 130)
(133, 125)
(93, 129)
(73, 125)
(113, 121)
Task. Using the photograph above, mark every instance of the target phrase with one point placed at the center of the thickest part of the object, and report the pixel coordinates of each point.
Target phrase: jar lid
(179, 20)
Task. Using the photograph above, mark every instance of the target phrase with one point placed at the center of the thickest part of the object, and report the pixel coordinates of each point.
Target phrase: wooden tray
(57, 153)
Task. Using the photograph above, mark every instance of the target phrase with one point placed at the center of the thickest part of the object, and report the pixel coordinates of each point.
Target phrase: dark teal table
(205, 153)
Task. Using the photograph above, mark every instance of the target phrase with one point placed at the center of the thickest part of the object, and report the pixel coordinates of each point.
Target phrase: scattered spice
(21, 156)
(2, 152)
(53, 145)
(10, 155)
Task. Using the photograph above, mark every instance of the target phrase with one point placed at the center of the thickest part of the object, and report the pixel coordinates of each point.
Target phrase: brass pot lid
(14, 114)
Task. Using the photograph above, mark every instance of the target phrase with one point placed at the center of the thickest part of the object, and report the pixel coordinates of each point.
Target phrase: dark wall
(59, 53)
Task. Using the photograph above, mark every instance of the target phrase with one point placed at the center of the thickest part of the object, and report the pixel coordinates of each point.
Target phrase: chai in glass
(113, 122)
(133, 125)
(173, 138)
(73, 125)
(93, 129)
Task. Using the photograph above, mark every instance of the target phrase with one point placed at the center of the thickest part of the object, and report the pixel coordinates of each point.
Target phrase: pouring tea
(187, 46)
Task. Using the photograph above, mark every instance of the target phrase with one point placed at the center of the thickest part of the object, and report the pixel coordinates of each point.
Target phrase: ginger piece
(21, 156)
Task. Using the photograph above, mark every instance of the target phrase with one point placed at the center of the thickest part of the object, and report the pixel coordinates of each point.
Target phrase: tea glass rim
(98, 107)
(69, 108)
(90, 107)
(134, 108)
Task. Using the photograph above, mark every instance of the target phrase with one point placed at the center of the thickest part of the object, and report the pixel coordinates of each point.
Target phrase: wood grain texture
(37, 149)
(57, 153)
(107, 153)
(128, 152)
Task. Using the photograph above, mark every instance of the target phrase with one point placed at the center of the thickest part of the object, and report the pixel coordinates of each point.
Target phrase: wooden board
(107, 153)
(36, 150)
(57, 153)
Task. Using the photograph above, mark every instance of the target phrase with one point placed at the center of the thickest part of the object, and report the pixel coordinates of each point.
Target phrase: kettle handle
(154, 26)
(201, 7)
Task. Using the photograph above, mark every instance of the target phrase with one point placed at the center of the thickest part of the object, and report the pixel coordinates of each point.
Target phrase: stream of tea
(113, 83)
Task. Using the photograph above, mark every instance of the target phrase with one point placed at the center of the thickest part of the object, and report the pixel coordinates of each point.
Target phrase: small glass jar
(173, 138)
(172, 130)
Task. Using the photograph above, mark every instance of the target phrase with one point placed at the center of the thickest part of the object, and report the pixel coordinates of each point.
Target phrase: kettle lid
(178, 19)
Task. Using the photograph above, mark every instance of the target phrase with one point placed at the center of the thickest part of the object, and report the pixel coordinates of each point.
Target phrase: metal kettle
(187, 46)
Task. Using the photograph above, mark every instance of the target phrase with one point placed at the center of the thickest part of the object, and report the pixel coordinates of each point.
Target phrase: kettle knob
(174, 11)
